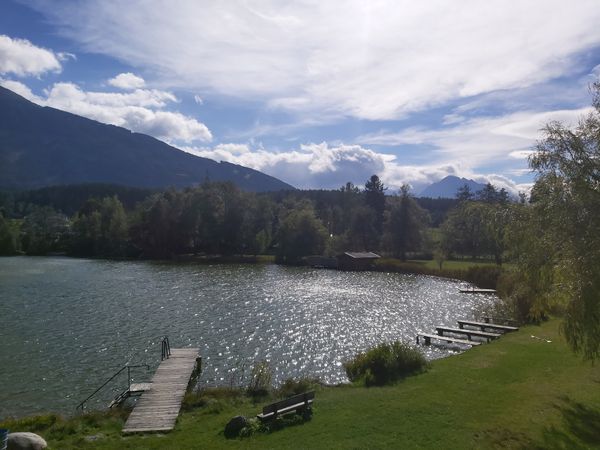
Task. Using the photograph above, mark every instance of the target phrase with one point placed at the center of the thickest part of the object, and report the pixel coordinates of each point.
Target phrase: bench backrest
(300, 398)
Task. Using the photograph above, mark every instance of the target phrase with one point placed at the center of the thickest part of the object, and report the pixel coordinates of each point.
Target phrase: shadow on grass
(581, 427)
(255, 426)
(290, 420)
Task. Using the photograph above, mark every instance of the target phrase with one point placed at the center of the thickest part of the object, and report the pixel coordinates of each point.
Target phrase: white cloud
(310, 166)
(65, 56)
(478, 141)
(66, 94)
(373, 60)
(520, 154)
(19, 88)
(21, 58)
(139, 110)
(450, 119)
(127, 81)
(232, 149)
(132, 110)
(331, 166)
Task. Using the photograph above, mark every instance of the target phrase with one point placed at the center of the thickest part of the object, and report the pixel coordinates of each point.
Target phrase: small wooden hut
(356, 260)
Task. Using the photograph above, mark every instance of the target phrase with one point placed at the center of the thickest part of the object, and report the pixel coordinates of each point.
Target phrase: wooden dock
(483, 325)
(450, 340)
(477, 291)
(158, 407)
(496, 331)
(469, 333)
(134, 390)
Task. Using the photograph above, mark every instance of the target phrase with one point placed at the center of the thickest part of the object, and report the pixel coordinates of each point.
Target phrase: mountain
(447, 187)
(42, 146)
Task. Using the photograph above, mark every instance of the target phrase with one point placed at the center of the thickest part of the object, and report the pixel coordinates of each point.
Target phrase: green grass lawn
(518, 392)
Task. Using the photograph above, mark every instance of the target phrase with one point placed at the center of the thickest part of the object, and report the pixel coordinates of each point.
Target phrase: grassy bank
(521, 391)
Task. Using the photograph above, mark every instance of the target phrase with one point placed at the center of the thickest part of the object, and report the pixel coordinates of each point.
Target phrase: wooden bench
(428, 337)
(469, 333)
(483, 325)
(297, 403)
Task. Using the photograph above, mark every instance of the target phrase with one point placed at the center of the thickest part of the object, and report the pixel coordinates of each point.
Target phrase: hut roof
(362, 255)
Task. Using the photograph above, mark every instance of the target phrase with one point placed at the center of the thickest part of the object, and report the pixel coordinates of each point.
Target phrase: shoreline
(482, 274)
(521, 404)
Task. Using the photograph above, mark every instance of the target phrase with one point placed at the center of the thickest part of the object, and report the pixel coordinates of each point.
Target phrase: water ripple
(67, 324)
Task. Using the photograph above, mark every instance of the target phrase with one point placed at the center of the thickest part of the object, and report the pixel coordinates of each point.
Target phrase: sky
(317, 93)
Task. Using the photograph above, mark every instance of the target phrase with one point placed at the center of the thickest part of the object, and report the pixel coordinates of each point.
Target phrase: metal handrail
(128, 367)
(165, 348)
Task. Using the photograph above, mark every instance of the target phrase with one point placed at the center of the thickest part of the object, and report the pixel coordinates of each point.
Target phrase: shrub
(213, 399)
(385, 364)
(260, 379)
(291, 387)
(35, 424)
(254, 426)
(55, 427)
(524, 303)
(485, 277)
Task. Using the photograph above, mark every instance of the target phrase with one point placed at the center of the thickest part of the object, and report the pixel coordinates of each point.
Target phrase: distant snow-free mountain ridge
(42, 146)
(447, 187)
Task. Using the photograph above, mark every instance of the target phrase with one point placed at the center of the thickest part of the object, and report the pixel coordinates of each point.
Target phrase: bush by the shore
(385, 364)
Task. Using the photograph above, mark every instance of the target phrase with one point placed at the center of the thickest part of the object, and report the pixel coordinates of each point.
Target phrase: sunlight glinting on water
(85, 319)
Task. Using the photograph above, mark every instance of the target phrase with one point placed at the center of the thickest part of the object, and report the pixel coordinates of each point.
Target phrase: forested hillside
(43, 146)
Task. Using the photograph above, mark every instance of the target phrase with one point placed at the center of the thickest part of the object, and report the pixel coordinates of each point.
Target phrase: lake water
(67, 324)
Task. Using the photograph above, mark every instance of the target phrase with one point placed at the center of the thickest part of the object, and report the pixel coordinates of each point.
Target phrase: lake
(68, 324)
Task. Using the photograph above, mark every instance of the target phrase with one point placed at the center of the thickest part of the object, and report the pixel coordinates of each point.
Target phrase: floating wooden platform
(468, 333)
(158, 408)
(134, 390)
(506, 320)
(477, 291)
(428, 337)
(139, 388)
(484, 325)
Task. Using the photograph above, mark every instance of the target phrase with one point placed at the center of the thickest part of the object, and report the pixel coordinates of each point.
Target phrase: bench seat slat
(285, 410)
(287, 405)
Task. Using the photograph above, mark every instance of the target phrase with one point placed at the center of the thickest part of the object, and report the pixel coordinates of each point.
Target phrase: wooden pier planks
(477, 291)
(428, 337)
(158, 408)
(484, 325)
(470, 333)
